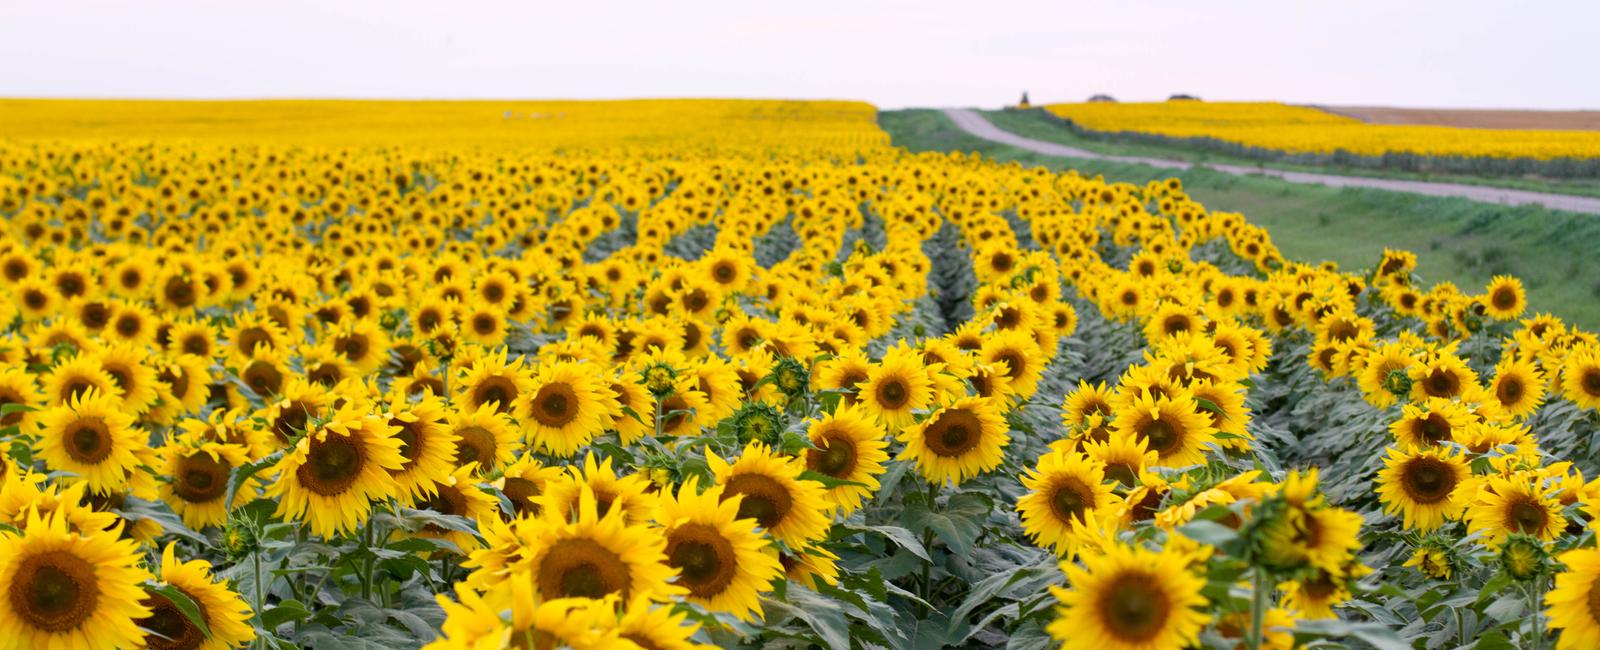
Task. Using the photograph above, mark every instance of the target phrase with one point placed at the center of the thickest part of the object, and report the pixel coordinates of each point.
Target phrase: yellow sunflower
(567, 405)
(226, 616)
(94, 438)
(335, 471)
(70, 589)
(200, 471)
(1066, 487)
(848, 446)
(1020, 353)
(895, 388)
(1172, 426)
(631, 494)
(1504, 299)
(1574, 605)
(1580, 378)
(483, 436)
(593, 556)
(457, 494)
(1517, 504)
(1518, 387)
(427, 444)
(721, 559)
(1437, 420)
(959, 441)
(792, 510)
(1428, 486)
(1130, 598)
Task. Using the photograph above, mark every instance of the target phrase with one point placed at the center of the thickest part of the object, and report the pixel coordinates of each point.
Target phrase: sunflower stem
(1534, 594)
(927, 544)
(1258, 608)
(255, 560)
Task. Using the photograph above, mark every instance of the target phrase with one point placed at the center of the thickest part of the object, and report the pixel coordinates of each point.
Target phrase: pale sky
(1426, 53)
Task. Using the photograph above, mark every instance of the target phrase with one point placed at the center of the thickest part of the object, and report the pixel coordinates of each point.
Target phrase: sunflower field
(677, 374)
(1309, 135)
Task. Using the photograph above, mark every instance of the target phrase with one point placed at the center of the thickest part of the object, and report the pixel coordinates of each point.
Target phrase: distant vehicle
(1181, 97)
(1102, 98)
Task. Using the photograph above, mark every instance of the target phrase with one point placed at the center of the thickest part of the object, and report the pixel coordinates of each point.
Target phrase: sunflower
(483, 436)
(92, 437)
(631, 397)
(200, 472)
(484, 325)
(1580, 378)
(809, 567)
(457, 494)
(427, 444)
(568, 405)
(721, 559)
(1066, 487)
(491, 380)
(1518, 387)
(791, 509)
(182, 383)
(1516, 504)
(1087, 410)
(1427, 485)
(136, 381)
(74, 377)
(959, 441)
(1314, 596)
(1574, 604)
(335, 471)
(593, 556)
(480, 621)
(1124, 457)
(1442, 374)
(70, 589)
(657, 627)
(226, 616)
(1171, 426)
(1020, 353)
(1129, 598)
(18, 387)
(630, 494)
(1504, 299)
(522, 482)
(1437, 420)
(895, 388)
(848, 446)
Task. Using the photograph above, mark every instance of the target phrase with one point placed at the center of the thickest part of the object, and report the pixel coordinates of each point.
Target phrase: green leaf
(8, 409)
(243, 473)
(288, 611)
(828, 481)
(824, 616)
(958, 525)
(1210, 532)
(904, 538)
(184, 603)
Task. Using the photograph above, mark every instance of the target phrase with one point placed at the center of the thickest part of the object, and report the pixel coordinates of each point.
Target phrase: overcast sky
(1460, 53)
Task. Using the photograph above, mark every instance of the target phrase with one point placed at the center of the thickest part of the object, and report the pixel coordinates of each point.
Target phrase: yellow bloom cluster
(653, 374)
(1303, 129)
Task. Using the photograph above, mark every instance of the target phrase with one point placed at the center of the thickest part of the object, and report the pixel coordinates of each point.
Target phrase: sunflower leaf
(243, 473)
(184, 603)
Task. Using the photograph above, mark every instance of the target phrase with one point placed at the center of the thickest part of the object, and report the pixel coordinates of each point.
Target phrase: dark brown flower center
(582, 568)
(765, 499)
(1427, 480)
(200, 478)
(54, 591)
(333, 464)
(1134, 607)
(704, 559)
(953, 432)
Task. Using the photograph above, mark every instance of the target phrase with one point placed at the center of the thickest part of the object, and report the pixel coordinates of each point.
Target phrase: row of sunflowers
(1308, 130)
(777, 388)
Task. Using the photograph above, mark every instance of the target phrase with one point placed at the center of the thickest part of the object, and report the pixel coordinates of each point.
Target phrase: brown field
(1472, 118)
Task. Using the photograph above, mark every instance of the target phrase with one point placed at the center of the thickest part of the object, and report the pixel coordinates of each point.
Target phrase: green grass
(1039, 125)
(1465, 242)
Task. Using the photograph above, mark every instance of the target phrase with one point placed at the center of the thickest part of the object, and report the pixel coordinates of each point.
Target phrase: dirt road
(973, 123)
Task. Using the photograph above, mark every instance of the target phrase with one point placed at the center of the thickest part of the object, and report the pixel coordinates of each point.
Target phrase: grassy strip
(1038, 125)
(1457, 240)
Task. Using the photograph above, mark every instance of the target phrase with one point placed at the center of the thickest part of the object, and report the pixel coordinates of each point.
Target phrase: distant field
(1472, 119)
